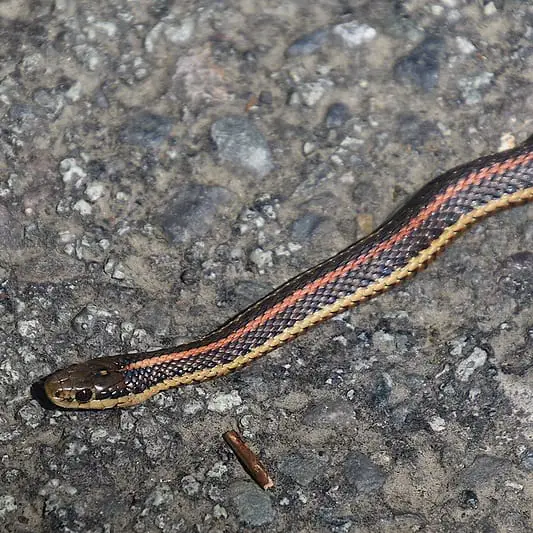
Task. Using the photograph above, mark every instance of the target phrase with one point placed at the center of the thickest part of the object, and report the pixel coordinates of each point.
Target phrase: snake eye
(84, 395)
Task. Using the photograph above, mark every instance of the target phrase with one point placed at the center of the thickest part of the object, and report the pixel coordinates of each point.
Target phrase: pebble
(180, 33)
(484, 469)
(362, 473)
(262, 259)
(513, 485)
(301, 469)
(189, 276)
(217, 471)
(114, 269)
(464, 45)
(352, 34)
(72, 172)
(170, 31)
(190, 485)
(469, 499)
(193, 407)
(382, 391)
(490, 9)
(472, 88)
(421, 66)
(146, 130)
(247, 292)
(222, 402)
(527, 460)
(308, 44)
(415, 132)
(252, 504)
(85, 320)
(238, 141)
(200, 80)
(303, 228)
(100, 99)
(515, 272)
(437, 424)
(390, 343)
(7, 504)
(99, 170)
(219, 512)
(265, 97)
(29, 328)
(468, 366)
(31, 414)
(94, 191)
(83, 207)
(88, 56)
(157, 442)
(337, 115)
(102, 437)
(308, 148)
(366, 223)
(192, 211)
(161, 495)
(310, 93)
(215, 493)
(50, 100)
(27, 117)
(332, 413)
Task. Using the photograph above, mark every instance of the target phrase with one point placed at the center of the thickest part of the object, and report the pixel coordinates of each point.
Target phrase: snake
(404, 244)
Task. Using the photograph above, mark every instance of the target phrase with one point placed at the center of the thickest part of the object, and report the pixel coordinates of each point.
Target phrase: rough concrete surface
(163, 164)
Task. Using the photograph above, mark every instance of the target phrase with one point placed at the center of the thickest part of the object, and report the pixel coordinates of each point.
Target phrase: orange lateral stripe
(413, 224)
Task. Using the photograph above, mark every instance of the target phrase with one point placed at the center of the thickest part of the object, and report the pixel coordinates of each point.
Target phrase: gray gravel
(192, 211)
(308, 44)
(146, 130)
(363, 474)
(337, 115)
(422, 64)
(240, 142)
(163, 165)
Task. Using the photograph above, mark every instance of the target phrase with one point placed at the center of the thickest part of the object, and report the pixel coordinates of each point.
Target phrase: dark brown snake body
(404, 244)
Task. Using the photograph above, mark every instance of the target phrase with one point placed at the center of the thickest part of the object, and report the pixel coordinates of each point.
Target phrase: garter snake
(400, 247)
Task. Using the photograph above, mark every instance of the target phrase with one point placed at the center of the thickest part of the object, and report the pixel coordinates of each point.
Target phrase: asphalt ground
(165, 164)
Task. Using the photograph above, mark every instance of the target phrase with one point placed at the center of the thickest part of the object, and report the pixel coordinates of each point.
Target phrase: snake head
(95, 384)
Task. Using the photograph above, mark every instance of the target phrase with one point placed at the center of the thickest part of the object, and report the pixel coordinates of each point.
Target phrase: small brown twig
(248, 459)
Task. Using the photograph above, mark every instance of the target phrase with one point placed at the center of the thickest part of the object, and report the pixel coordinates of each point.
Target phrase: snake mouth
(70, 397)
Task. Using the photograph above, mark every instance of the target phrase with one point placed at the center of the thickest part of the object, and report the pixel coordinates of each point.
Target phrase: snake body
(400, 247)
